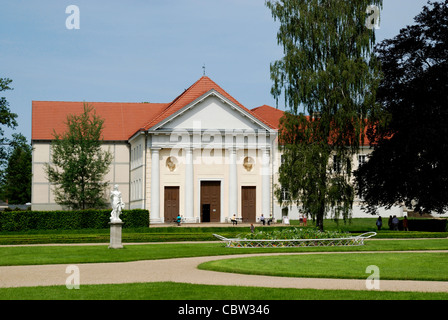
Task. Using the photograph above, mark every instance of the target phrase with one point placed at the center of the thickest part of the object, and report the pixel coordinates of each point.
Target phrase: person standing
(379, 223)
(405, 224)
(395, 223)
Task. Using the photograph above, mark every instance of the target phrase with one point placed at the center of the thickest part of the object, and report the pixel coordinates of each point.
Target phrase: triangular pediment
(212, 111)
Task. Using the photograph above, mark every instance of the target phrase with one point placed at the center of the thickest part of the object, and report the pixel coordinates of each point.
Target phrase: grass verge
(184, 291)
(418, 266)
(35, 255)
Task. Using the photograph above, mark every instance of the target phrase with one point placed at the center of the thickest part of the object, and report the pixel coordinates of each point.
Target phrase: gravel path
(185, 270)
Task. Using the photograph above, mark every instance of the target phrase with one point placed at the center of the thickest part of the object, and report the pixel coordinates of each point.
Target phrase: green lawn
(202, 233)
(29, 255)
(392, 266)
(183, 291)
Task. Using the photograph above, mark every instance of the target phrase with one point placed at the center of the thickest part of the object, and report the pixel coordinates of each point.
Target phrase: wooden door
(210, 201)
(171, 203)
(248, 203)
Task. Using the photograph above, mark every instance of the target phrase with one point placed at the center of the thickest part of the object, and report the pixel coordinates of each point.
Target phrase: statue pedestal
(115, 235)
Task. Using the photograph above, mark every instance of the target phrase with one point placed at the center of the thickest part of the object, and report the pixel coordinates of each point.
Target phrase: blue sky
(135, 51)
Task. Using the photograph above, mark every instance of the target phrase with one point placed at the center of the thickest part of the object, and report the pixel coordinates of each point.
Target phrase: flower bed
(295, 238)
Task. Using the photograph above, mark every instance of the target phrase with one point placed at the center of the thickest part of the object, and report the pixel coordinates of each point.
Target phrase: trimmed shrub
(69, 220)
(432, 225)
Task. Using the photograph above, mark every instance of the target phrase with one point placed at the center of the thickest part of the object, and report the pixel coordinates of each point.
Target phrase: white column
(233, 184)
(155, 187)
(189, 186)
(265, 184)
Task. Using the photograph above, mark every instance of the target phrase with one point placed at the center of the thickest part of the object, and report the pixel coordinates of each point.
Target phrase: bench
(266, 221)
(238, 219)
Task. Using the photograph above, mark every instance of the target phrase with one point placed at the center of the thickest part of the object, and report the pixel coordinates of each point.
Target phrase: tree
(328, 70)
(78, 162)
(7, 118)
(409, 163)
(16, 187)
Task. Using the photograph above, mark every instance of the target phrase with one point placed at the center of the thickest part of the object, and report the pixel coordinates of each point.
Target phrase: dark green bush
(432, 225)
(69, 220)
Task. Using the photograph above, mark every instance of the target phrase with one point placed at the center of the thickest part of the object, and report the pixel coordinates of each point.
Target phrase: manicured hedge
(432, 225)
(69, 220)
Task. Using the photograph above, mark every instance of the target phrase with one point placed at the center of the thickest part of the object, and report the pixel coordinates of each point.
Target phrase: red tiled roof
(199, 88)
(272, 116)
(269, 114)
(122, 120)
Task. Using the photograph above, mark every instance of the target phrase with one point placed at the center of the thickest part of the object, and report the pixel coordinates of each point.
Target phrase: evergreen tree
(328, 69)
(16, 187)
(78, 162)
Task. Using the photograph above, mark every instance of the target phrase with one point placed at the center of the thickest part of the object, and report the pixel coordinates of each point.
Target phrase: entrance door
(248, 203)
(171, 203)
(210, 201)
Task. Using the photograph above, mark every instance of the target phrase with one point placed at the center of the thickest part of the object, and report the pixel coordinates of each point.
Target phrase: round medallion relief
(248, 163)
(171, 163)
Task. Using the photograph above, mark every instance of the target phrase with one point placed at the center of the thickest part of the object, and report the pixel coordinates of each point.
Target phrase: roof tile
(122, 120)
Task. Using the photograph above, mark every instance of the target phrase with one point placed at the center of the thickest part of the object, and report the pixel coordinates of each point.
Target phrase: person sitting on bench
(234, 221)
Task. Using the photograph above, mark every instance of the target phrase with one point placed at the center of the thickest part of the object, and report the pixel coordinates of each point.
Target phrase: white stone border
(291, 243)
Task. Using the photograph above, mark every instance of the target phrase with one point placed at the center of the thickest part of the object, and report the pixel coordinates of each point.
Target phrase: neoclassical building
(203, 155)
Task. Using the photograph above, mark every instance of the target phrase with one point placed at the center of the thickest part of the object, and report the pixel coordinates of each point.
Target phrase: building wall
(119, 169)
(209, 166)
(42, 195)
(174, 177)
(131, 171)
(137, 172)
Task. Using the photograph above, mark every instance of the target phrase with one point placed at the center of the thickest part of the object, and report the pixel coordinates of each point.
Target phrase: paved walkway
(185, 270)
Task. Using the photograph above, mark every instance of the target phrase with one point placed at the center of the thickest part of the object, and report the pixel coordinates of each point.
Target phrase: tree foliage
(328, 70)
(78, 162)
(409, 163)
(7, 118)
(16, 184)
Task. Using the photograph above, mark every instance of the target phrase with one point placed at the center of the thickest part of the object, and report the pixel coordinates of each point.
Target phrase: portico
(211, 173)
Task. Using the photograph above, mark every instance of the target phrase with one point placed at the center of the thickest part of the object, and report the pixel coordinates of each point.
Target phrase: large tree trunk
(320, 220)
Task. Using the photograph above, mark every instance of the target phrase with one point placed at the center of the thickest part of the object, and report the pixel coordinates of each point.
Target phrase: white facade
(42, 195)
(210, 140)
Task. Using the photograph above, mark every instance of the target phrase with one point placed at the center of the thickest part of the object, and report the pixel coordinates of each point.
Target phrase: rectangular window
(337, 164)
(361, 159)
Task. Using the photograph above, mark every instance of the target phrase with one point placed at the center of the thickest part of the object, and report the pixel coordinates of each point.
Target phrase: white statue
(117, 204)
